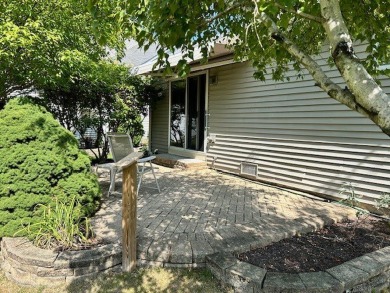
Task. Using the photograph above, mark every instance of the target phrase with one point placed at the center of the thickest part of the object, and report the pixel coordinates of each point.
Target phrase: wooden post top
(128, 160)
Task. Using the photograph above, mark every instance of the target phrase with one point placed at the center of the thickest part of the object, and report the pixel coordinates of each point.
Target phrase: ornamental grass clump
(40, 163)
(61, 226)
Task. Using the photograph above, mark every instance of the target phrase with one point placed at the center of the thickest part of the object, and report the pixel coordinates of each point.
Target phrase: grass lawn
(142, 280)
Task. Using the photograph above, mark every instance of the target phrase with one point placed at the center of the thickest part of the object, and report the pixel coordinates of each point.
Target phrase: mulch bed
(323, 249)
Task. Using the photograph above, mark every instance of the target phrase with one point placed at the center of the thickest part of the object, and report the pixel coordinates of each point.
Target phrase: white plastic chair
(121, 146)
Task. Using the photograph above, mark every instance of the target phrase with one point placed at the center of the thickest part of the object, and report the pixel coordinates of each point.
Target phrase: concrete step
(173, 161)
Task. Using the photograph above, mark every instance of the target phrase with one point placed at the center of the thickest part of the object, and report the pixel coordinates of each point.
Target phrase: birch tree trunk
(368, 95)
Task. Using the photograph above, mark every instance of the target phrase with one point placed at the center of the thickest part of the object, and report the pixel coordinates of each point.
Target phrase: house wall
(296, 134)
(159, 125)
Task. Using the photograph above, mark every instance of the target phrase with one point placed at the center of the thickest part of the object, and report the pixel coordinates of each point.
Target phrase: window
(188, 104)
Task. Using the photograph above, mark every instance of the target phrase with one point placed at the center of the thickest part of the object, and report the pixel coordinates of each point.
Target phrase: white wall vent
(248, 169)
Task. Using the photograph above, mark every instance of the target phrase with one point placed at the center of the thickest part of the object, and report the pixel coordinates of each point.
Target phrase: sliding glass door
(195, 112)
(178, 113)
(188, 102)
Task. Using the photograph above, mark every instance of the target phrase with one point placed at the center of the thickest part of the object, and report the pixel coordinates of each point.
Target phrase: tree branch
(301, 14)
(23, 89)
(222, 13)
(344, 96)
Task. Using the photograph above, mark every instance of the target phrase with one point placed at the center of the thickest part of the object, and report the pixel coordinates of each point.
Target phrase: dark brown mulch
(323, 249)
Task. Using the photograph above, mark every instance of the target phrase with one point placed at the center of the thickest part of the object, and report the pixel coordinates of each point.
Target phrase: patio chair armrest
(109, 166)
(147, 159)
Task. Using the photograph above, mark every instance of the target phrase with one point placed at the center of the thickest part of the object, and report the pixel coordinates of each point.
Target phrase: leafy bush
(351, 198)
(101, 96)
(383, 204)
(39, 160)
(61, 226)
(134, 128)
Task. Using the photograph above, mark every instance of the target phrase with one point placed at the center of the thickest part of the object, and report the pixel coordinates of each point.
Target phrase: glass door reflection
(195, 112)
(178, 114)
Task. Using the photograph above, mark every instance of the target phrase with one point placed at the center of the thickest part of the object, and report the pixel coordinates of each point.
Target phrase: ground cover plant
(39, 161)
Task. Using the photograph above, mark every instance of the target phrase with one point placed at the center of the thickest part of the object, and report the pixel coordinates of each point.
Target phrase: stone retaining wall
(368, 273)
(29, 265)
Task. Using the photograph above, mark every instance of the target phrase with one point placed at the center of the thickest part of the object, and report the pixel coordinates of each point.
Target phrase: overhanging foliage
(277, 33)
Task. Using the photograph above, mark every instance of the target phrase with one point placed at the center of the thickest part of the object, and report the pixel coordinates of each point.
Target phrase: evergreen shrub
(39, 162)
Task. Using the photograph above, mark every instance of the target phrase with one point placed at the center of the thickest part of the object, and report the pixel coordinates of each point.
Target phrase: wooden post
(129, 211)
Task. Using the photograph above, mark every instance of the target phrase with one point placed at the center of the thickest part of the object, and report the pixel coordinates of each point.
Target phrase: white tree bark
(368, 95)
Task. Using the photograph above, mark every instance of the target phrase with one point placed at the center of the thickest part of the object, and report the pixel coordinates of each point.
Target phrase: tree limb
(22, 88)
(222, 13)
(301, 14)
(344, 96)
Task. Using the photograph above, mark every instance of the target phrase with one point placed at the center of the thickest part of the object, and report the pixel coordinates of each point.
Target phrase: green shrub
(39, 160)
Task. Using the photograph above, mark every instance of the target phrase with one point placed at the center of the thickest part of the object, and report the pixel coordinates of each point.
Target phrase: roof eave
(196, 65)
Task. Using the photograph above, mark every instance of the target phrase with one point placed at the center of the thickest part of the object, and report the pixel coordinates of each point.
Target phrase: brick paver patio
(202, 212)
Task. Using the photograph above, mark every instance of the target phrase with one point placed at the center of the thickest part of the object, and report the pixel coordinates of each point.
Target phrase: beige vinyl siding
(159, 125)
(296, 134)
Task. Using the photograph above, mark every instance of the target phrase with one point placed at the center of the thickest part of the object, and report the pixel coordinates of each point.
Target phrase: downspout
(150, 129)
